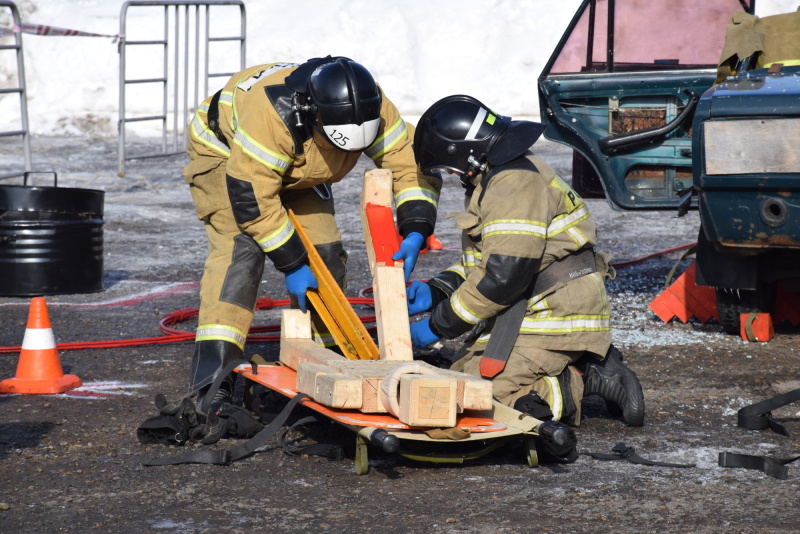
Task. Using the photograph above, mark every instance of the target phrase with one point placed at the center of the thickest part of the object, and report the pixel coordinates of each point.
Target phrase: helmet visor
(352, 137)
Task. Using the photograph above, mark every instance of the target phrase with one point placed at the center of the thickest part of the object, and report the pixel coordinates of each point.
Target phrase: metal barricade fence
(20, 90)
(189, 47)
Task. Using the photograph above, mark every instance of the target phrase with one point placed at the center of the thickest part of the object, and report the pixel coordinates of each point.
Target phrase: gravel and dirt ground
(72, 462)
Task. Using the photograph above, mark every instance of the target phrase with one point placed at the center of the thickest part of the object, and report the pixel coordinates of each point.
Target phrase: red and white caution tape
(42, 29)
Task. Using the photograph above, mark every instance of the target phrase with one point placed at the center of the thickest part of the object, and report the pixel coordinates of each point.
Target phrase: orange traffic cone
(39, 368)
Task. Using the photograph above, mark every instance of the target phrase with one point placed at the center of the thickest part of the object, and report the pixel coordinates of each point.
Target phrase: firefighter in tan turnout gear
(275, 138)
(529, 285)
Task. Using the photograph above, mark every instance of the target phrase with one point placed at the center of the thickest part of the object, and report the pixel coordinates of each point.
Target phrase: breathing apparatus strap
(213, 118)
(508, 322)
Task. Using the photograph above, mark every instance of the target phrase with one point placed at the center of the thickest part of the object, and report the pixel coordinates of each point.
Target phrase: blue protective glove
(421, 334)
(409, 252)
(298, 281)
(419, 297)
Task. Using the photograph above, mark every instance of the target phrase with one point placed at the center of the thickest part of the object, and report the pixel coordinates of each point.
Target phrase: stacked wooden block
(416, 393)
(428, 400)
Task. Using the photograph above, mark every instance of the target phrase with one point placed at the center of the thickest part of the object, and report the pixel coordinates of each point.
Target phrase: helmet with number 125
(347, 103)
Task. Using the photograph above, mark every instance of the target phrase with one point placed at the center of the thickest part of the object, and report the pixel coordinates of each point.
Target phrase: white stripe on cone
(38, 339)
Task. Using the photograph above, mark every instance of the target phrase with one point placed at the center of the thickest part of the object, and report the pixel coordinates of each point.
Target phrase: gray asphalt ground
(72, 463)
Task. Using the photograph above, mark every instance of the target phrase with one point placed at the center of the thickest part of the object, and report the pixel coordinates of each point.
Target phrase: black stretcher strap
(330, 451)
(506, 326)
(759, 416)
(774, 467)
(243, 450)
(623, 452)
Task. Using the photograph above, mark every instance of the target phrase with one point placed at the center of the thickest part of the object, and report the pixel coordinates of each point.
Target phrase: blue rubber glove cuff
(298, 281)
(409, 252)
(421, 334)
(419, 297)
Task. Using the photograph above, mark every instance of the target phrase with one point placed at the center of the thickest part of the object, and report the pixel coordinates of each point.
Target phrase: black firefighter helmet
(460, 134)
(344, 99)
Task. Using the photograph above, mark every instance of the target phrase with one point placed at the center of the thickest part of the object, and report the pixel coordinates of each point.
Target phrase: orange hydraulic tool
(330, 302)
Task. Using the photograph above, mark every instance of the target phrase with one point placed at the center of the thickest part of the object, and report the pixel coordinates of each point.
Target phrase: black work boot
(210, 356)
(616, 384)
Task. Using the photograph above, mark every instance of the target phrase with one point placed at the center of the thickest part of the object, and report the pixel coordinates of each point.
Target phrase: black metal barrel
(51, 240)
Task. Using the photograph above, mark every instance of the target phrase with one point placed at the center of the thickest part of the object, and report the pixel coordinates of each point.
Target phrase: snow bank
(418, 50)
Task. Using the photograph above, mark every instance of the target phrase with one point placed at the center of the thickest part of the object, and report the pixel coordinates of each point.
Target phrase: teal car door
(621, 88)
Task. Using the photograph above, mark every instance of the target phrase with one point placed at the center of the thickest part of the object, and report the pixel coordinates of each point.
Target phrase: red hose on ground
(177, 336)
(651, 256)
(255, 333)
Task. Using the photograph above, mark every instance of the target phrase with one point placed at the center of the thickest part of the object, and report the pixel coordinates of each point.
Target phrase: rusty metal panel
(625, 120)
(752, 146)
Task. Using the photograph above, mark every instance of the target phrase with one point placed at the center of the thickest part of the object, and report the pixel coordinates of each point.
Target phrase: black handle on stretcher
(557, 437)
(385, 441)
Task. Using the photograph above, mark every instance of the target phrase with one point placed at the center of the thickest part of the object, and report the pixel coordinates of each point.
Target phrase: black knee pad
(535, 406)
(244, 273)
(335, 258)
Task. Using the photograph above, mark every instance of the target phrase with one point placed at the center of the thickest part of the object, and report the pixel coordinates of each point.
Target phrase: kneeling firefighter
(275, 138)
(529, 284)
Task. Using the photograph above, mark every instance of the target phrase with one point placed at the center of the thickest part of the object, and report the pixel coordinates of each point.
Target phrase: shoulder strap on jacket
(213, 118)
(280, 96)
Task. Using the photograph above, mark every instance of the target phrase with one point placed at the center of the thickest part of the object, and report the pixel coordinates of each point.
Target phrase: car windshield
(647, 35)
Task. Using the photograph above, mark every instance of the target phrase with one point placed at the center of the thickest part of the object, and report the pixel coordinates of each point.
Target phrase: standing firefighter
(275, 138)
(528, 279)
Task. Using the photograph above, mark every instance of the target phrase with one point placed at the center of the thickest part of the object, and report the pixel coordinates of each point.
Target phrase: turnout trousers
(232, 277)
(547, 373)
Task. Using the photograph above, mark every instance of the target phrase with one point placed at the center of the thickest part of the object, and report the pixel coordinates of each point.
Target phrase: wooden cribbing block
(296, 351)
(473, 393)
(376, 192)
(307, 373)
(371, 377)
(427, 400)
(295, 324)
(328, 387)
(339, 391)
(391, 313)
(388, 282)
(333, 380)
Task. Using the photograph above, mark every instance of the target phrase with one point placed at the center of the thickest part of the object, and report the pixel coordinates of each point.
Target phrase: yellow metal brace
(333, 308)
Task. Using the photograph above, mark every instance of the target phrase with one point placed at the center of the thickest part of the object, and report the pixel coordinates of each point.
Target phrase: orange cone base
(47, 387)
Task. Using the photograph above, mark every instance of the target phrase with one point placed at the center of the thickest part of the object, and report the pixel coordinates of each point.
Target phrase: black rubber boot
(616, 384)
(209, 358)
